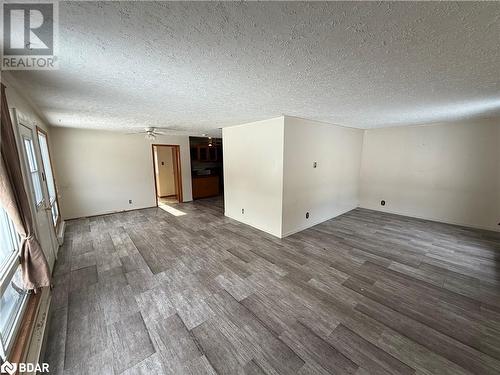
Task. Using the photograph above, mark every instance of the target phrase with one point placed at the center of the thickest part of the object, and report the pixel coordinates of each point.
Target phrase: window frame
(7, 343)
(30, 173)
(7, 273)
(40, 131)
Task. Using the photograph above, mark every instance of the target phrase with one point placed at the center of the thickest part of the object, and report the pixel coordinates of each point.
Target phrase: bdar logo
(22, 367)
(8, 368)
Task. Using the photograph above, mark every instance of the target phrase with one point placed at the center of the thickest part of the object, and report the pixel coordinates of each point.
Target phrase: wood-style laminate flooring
(147, 292)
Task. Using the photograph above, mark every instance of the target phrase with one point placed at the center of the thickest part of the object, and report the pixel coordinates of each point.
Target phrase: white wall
(16, 100)
(165, 180)
(99, 171)
(442, 172)
(268, 171)
(331, 188)
(253, 174)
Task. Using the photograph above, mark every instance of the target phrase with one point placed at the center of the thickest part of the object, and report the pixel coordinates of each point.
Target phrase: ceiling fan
(150, 133)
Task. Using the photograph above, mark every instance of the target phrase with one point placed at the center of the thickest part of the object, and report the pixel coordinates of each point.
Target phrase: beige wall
(443, 172)
(253, 174)
(331, 188)
(165, 180)
(99, 171)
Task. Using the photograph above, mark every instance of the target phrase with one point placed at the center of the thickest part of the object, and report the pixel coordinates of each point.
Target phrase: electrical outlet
(315, 164)
(130, 201)
(382, 203)
(307, 215)
(242, 210)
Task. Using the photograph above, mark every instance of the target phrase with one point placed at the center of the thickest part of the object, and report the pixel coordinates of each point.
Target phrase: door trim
(19, 119)
(38, 129)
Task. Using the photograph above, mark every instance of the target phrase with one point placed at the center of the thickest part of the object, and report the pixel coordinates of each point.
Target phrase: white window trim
(7, 273)
(5, 350)
(39, 205)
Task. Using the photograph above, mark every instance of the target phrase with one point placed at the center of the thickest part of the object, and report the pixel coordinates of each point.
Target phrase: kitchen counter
(205, 186)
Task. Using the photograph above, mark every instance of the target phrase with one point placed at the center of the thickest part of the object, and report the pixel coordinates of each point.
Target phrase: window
(12, 297)
(9, 239)
(49, 176)
(33, 170)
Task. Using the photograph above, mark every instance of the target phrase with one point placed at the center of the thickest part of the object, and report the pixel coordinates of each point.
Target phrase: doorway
(206, 167)
(35, 172)
(167, 173)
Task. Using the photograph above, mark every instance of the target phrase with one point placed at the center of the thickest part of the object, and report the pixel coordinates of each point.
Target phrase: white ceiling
(202, 66)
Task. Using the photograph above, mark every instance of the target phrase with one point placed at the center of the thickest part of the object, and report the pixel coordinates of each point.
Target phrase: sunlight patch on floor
(171, 210)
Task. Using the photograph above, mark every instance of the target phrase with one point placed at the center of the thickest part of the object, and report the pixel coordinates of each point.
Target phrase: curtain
(13, 198)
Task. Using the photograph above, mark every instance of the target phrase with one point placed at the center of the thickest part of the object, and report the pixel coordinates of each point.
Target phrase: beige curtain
(14, 200)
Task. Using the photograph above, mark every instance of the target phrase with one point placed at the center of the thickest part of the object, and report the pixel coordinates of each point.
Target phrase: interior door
(38, 191)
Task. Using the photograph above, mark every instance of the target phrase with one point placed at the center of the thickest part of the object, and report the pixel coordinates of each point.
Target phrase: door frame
(21, 120)
(38, 129)
(176, 149)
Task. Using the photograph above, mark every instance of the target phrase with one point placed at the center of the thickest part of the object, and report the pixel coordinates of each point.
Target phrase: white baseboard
(36, 346)
(252, 225)
(60, 233)
(437, 220)
(109, 213)
(319, 221)
(296, 230)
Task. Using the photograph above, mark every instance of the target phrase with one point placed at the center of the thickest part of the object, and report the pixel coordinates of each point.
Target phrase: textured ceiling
(202, 66)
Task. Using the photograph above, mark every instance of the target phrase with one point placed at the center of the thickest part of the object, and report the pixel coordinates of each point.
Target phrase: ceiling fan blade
(169, 128)
(173, 131)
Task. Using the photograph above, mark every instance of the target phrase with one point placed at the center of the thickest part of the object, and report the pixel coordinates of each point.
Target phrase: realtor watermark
(29, 37)
(11, 368)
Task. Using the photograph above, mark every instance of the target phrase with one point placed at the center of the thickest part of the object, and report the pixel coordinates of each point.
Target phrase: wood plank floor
(147, 292)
